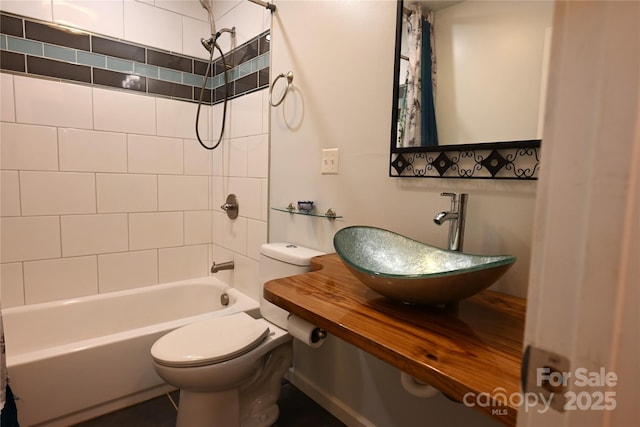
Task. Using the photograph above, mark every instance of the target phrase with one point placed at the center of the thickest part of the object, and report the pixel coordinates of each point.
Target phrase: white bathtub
(75, 359)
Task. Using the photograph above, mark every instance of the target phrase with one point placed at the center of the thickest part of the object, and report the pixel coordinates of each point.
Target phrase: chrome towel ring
(289, 77)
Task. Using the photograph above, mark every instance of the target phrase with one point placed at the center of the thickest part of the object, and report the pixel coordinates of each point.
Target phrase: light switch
(330, 160)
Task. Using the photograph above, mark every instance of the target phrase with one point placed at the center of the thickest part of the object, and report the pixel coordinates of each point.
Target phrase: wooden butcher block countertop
(474, 349)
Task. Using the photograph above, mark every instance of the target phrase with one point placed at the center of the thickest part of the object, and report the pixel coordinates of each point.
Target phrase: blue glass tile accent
(24, 46)
(254, 64)
(116, 64)
(170, 75)
(93, 59)
(251, 65)
(192, 79)
(262, 61)
(244, 69)
(145, 70)
(217, 81)
(61, 53)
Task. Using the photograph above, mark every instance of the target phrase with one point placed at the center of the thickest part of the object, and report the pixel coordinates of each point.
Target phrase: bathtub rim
(114, 294)
(242, 302)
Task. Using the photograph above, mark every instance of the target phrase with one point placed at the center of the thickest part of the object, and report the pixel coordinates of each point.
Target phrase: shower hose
(226, 95)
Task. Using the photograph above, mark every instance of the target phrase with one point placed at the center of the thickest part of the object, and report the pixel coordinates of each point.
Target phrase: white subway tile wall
(126, 270)
(258, 156)
(19, 142)
(142, 23)
(45, 102)
(52, 279)
(246, 116)
(103, 17)
(238, 157)
(198, 227)
(12, 284)
(181, 192)
(91, 151)
(182, 262)
(234, 235)
(126, 193)
(57, 193)
(177, 119)
(124, 112)
(7, 105)
(104, 190)
(193, 29)
(154, 154)
(156, 230)
(34, 9)
(10, 193)
(197, 161)
(93, 234)
(27, 238)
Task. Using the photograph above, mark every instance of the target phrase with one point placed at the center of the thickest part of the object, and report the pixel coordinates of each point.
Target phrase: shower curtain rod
(270, 6)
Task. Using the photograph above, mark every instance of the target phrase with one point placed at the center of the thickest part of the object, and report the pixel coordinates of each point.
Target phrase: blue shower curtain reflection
(429, 131)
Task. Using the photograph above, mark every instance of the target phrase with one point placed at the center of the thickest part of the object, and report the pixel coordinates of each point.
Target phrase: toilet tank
(281, 260)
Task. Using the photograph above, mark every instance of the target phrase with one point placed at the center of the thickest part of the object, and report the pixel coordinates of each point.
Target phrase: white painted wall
(341, 54)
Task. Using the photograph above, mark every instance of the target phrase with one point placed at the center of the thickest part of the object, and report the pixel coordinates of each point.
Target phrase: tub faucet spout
(229, 265)
(456, 217)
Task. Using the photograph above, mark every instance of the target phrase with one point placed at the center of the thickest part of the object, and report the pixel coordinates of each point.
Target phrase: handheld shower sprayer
(207, 6)
(210, 43)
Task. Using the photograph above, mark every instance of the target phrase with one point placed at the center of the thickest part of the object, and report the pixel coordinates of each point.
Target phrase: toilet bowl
(229, 368)
(219, 382)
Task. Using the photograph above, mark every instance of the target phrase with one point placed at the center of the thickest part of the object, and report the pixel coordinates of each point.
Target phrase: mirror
(482, 116)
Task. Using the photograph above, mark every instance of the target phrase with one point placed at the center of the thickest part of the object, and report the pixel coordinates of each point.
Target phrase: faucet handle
(453, 195)
(456, 198)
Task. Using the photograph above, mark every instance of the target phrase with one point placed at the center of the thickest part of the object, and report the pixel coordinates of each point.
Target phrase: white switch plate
(330, 161)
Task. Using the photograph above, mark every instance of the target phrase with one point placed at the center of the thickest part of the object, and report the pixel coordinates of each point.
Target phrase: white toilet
(229, 368)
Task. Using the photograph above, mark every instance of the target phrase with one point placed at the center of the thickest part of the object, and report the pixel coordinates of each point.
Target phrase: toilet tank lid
(289, 253)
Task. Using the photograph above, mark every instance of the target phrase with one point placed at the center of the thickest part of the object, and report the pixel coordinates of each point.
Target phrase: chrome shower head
(208, 43)
(207, 6)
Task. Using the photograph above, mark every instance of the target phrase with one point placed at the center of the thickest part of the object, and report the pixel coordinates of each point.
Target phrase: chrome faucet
(229, 265)
(456, 217)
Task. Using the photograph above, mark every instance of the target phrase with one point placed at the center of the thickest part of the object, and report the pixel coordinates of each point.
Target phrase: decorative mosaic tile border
(501, 160)
(44, 49)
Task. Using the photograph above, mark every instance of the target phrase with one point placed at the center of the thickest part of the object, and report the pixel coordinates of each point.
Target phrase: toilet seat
(210, 341)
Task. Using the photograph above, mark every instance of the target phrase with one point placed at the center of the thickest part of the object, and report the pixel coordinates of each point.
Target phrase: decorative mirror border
(499, 160)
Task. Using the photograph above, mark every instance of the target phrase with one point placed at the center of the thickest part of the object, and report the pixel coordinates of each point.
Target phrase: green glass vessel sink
(409, 271)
